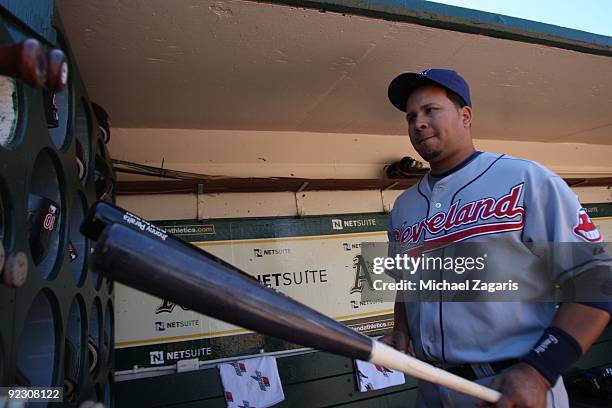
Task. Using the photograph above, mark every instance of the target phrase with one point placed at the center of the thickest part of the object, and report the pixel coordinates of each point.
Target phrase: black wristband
(554, 353)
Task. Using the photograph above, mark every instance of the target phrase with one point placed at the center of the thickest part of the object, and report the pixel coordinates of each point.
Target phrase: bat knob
(57, 75)
(33, 64)
(15, 270)
(25, 61)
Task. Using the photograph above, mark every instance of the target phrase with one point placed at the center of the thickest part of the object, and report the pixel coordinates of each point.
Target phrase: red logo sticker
(585, 228)
(49, 222)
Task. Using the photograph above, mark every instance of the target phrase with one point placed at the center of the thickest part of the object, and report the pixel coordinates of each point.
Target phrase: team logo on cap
(585, 228)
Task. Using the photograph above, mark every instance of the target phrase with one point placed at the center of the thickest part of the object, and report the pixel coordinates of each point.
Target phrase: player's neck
(448, 163)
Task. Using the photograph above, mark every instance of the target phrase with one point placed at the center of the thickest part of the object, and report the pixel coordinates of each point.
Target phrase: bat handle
(389, 357)
(57, 76)
(25, 61)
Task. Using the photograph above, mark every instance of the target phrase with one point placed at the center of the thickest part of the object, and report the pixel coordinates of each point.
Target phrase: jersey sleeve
(554, 214)
(560, 231)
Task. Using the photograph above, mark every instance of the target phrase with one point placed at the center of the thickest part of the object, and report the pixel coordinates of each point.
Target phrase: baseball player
(518, 348)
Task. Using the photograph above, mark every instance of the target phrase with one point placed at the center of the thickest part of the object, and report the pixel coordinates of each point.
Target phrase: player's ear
(465, 114)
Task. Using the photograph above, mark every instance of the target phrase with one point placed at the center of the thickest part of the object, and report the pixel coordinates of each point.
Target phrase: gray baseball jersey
(492, 198)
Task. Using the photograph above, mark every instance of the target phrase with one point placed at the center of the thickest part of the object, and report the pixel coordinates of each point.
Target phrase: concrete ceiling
(200, 64)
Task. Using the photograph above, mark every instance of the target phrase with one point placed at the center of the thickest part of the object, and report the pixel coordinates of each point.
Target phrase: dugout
(286, 102)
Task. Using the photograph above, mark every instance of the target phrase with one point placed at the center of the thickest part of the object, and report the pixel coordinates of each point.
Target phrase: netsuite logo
(163, 326)
(260, 253)
(337, 224)
(157, 357)
(160, 357)
(364, 222)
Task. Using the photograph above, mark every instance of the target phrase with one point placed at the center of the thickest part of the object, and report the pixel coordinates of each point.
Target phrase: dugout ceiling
(244, 65)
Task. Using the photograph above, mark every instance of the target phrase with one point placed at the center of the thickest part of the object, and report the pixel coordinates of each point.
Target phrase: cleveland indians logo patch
(585, 228)
(505, 207)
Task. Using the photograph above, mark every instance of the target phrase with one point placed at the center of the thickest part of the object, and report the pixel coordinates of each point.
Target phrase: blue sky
(593, 16)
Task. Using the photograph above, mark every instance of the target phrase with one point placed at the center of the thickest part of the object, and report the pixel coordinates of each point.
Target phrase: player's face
(437, 128)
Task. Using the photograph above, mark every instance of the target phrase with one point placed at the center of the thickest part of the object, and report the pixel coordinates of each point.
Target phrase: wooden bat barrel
(197, 280)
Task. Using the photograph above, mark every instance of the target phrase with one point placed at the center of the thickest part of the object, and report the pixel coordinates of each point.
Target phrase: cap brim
(402, 86)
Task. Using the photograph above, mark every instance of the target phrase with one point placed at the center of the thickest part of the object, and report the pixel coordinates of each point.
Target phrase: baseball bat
(57, 75)
(153, 261)
(25, 61)
(102, 214)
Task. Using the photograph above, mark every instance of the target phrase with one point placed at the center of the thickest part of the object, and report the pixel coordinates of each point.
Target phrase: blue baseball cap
(404, 84)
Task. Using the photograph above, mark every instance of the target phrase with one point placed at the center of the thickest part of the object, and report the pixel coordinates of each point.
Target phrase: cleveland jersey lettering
(506, 206)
